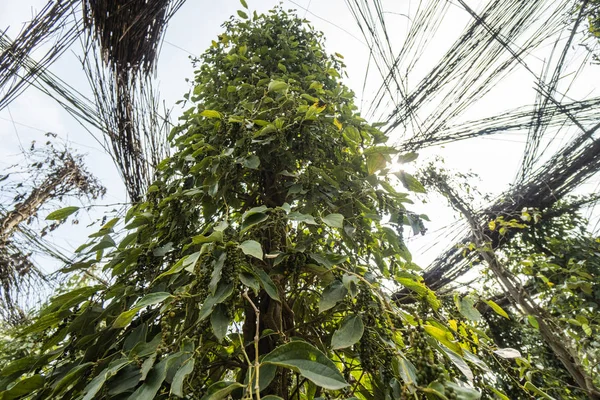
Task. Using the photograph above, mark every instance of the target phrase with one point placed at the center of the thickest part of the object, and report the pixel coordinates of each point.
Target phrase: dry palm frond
(51, 25)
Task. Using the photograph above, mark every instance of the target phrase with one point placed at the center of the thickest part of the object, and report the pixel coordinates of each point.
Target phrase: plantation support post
(557, 341)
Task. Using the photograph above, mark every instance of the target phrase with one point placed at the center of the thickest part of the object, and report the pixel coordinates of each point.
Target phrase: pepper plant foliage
(256, 266)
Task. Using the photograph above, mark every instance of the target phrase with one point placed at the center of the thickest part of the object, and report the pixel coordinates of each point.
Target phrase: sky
(190, 32)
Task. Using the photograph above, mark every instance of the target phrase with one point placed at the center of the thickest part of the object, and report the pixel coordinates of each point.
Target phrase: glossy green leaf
(332, 294)
(299, 217)
(152, 298)
(497, 309)
(267, 283)
(310, 362)
(533, 321)
(216, 236)
(498, 393)
(125, 318)
(460, 363)
(277, 86)
(224, 290)
(334, 220)
(211, 114)
(407, 371)
(534, 389)
(220, 390)
(252, 248)
(407, 157)
(464, 393)
(152, 383)
(466, 306)
(186, 368)
(73, 375)
(350, 332)
(23, 387)
(252, 220)
(251, 162)
(61, 214)
(375, 162)
(250, 281)
(508, 353)
(444, 337)
(219, 321)
(410, 182)
(96, 384)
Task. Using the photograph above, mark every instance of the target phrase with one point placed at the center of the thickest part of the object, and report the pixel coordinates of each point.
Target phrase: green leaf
(20, 365)
(242, 14)
(72, 376)
(498, 393)
(252, 220)
(186, 369)
(224, 290)
(96, 384)
(125, 318)
(466, 306)
(61, 214)
(250, 281)
(444, 337)
(251, 162)
(152, 298)
(508, 353)
(23, 387)
(218, 265)
(163, 250)
(211, 114)
(410, 182)
(350, 332)
(532, 388)
(460, 363)
(331, 295)
(464, 393)
(497, 309)
(277, 86)
(147, 366)
(472, 358)
(216, 236)
(407, 157)
(267, 283)
(421, 289)
(152, 383)
(219, 321)
(299, 217)
(533, 322)
(252, 248)
(185, 262)
(408, 372)
(329, 260)
(220, 390)
(244, 4)
(334, 220)
(435, 388)
(310, 362)
(375, 162)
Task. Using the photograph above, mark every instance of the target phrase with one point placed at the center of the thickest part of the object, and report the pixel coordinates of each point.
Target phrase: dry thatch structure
(121, 44)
